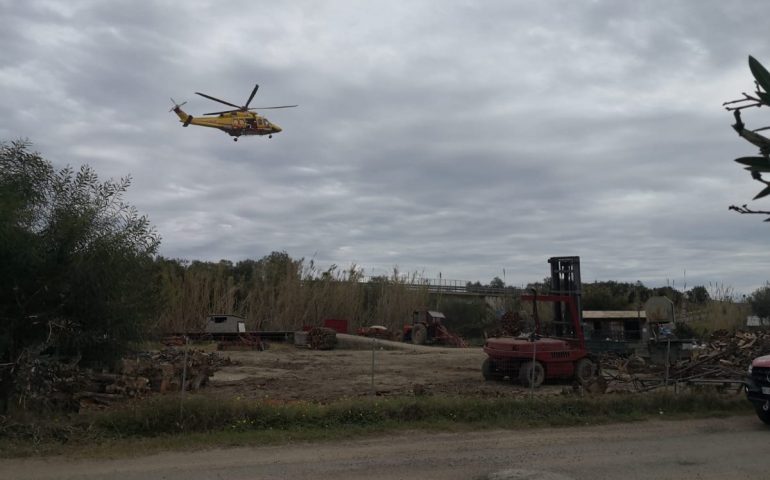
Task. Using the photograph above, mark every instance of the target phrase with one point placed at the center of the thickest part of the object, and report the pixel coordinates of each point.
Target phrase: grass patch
(202, 422)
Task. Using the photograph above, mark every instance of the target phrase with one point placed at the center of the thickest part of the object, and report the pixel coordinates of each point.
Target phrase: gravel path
(728, 448)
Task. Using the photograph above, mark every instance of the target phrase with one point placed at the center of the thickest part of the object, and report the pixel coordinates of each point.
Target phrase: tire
(488, 371)
(531, 374)
(419, 334)
(763, 414)
(585, 371)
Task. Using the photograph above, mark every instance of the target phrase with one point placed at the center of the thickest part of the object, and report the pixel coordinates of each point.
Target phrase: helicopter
(241, 121)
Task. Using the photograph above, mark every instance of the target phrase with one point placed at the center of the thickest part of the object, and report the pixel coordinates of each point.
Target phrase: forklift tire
(585, 371)
(531, 374)
(419, 334)
(487, 370)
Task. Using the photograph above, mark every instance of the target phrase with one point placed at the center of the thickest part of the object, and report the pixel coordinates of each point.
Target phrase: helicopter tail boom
(184, 117)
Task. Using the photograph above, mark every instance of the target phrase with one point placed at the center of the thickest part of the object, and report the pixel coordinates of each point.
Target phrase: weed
(202, 421)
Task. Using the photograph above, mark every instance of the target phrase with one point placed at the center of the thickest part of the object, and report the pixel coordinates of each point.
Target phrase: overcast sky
(467, 139)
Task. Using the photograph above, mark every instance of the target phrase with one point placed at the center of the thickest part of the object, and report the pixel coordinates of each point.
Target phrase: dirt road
(730, 448)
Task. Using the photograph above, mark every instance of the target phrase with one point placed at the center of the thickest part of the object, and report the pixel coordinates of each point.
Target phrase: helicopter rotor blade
(217, 100)
(253, 92)
(224, 111)
(271, 108)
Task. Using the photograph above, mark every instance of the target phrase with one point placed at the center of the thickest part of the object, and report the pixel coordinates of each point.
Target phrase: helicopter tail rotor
(176, 105)
(184, 117)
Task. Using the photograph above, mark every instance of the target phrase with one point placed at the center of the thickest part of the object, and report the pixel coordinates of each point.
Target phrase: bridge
(443, 286)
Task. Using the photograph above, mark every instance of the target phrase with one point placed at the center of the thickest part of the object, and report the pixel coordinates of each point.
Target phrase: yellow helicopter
(241, 121)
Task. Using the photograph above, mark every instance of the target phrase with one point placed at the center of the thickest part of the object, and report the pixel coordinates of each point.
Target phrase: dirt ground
(285, 372)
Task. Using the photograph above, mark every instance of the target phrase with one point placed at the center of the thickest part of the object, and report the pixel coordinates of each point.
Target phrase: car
(757, 387)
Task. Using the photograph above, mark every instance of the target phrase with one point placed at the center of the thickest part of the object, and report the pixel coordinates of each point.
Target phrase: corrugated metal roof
(608, 314)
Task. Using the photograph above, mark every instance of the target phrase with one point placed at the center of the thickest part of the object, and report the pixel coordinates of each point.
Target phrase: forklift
(562, 353)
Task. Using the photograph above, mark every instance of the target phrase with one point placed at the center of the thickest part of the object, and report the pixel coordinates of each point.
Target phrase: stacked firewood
(510, 325)
(48, 383)
(724, 357)
(42, 382)
(321, 338)
(106, 388)
(164, 370)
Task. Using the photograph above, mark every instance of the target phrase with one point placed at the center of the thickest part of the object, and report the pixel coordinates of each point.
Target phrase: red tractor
(560, 355)
(428, 327)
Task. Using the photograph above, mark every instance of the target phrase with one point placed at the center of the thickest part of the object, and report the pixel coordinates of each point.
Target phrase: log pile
(244, 341)
(510, 325)
(725, 355)
(723, 358)
(321, 338)
(106, 388)
(164, 369)
(42, 382)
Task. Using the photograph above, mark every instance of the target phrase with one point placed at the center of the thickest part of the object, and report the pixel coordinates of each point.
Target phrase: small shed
(616, 325)
(223, 323)
(619, 331)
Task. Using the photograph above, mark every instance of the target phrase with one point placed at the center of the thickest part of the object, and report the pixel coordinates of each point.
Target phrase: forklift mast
(564, 296)
(565, 280)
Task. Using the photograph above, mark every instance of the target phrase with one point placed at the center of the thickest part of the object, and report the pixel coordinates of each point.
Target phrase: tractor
(427, 327)
(561, 354)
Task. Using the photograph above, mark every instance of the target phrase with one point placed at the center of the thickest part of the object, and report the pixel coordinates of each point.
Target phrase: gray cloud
(460, 138)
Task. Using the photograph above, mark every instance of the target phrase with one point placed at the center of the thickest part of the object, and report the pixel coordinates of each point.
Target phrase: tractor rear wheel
(585, 371)
(419, 334)
(531, 374)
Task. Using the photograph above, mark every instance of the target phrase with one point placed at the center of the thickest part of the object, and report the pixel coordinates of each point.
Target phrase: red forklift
(559, 354)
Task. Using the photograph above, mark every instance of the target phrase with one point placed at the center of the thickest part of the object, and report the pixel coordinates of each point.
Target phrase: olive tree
(756, 165)
(76, 261)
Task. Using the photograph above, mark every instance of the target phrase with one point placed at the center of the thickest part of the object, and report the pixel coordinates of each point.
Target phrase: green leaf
(763, 193)
(760, 73)
(754, 161)
(765, 97)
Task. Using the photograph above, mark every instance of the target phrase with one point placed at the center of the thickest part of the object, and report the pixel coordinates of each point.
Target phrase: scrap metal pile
(721, 361)
(46, 383)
